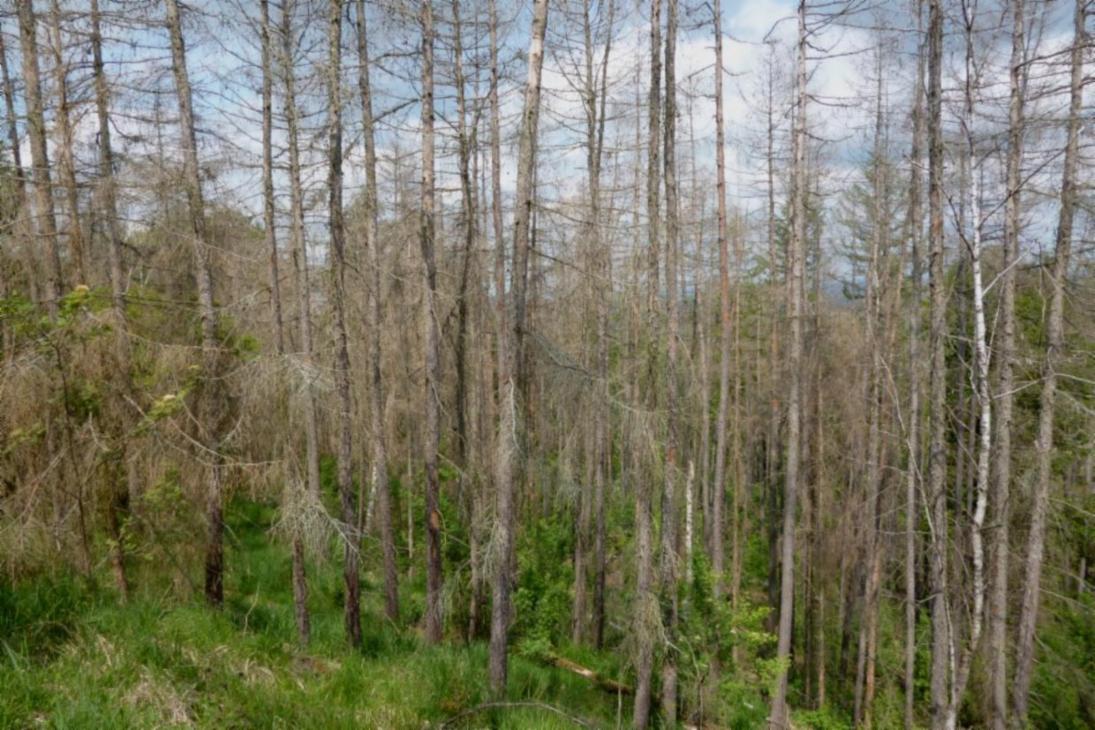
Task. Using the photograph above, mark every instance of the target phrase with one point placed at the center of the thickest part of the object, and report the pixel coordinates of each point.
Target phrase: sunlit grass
(71, 656)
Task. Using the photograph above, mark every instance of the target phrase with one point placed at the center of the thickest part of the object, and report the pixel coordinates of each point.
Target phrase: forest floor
(71, 656)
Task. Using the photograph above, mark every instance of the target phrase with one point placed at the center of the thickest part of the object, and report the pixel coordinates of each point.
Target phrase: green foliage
(823, 719)
(83, 399)
(543, 597)
(167, 405)
(712, 632)
(28, 435)
(1062, 694)
(72, 656)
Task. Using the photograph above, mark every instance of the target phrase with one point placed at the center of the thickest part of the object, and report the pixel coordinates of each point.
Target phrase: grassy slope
(72, 657)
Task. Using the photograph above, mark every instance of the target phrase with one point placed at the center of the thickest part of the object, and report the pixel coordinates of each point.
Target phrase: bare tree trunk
(719, 482)
(699, 313)
(45, 221)
(780, 715)
(602, 427)
(998, 599)
(12, 123)
(864, 687)
(937, 473)
(961, 667)
(268, 222)
(351, 537)
(468, 222)
(592, 507)
(211, 405)
(818, 542)
(21, 193)
(772, 442)
(373, 319)
(647, 613)
(1028, 614)
(119, 497)
(467, 144)
(505, 559)
(669, 549)
(912, 475)
(66, 161)
(503, 456)
(434, 619)
(299, 248)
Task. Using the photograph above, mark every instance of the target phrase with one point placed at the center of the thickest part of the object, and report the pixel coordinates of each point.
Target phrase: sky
(223, 51)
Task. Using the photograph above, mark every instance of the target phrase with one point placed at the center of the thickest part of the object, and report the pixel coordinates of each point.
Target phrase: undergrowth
(71, 656)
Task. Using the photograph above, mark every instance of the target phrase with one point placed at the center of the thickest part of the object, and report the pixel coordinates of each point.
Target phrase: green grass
(72, 657)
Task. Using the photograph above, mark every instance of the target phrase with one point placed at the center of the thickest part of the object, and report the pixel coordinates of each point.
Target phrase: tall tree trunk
(119, 497)
(719, 483)
(45, 220)
(503, 445)
(211, 399)
(1035, 551)
(20, 189)
(817, 537)
(772, 455)
(647, 614)
(351, 537)
(669, 538)
(602, 428)
(913, 469)
(780, 715)
(466, 142)
(998, 599)
(299, 248)
(66, 160)
(373, 319)
(864, 688)
(937, 449)
(594, 94)
(434, 619)
(505, 517)
(699, 326)
(268, 220)
(961, 666)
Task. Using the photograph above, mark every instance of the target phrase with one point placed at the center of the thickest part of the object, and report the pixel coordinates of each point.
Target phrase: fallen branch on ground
(511, 705)
(609, 685)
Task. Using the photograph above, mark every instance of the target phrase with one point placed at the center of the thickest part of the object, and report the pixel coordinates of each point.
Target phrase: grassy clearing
(72, 657)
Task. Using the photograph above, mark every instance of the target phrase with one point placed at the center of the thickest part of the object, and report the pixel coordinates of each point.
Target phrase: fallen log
(608, 685)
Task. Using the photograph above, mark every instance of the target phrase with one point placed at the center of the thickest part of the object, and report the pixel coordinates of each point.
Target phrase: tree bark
(998, 599)
(119, 497)
(719, 482)
(594, 93)
(211, 405)
(21, 194)
(864, 687)
(1035, 550)
(44, 217)
(670, 572)
(505, 517)
(775, 410)
(780, 715)
(268, 220)
(373, 321)
(647, 612)
(913, 480)
(961, 667)
(434, 619)
(66, 160)
(937, 450)
(345, 456)
(301, 267)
